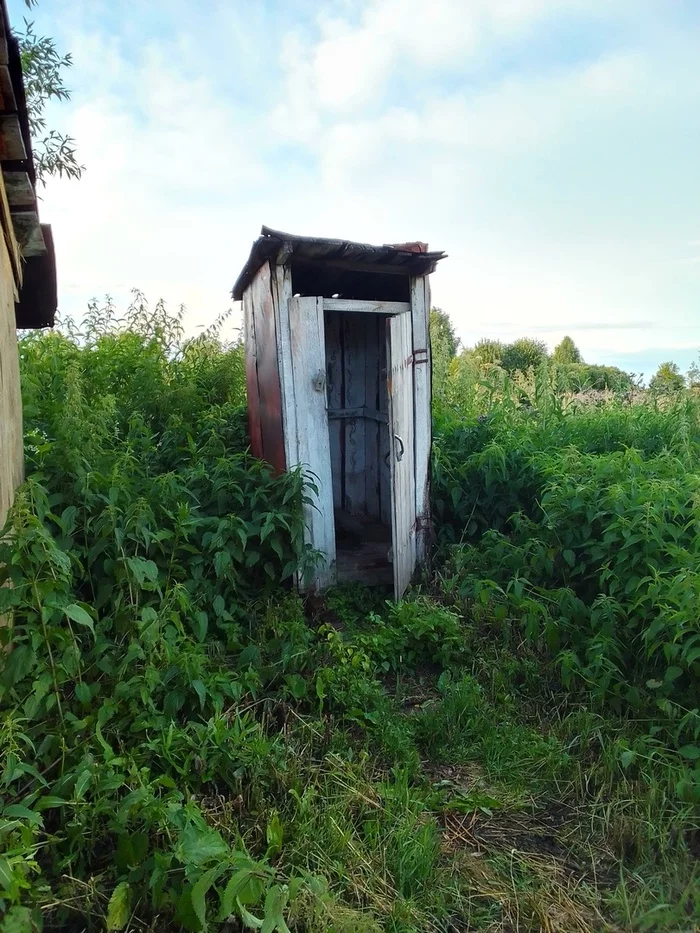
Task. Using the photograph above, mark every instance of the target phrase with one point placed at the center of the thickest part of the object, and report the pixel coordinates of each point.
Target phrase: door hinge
(419, 356)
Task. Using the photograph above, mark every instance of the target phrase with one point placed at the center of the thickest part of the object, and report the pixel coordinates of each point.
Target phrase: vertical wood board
(422, 379)
(334, 380)
(281, 290)
(402, 460)
(385, 510)
(355, 436)
(269, 390)
(309, 368)
(251, 376)
(371, 336)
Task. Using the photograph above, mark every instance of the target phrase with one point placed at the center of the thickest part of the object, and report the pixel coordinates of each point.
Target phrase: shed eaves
(411, 257)
(29, 242)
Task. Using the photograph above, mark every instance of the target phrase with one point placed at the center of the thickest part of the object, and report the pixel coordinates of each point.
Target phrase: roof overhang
(29, 243)
(411, 259)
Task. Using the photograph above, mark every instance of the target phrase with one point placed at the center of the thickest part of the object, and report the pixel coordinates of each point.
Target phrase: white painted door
(401, 449)
(308, 351)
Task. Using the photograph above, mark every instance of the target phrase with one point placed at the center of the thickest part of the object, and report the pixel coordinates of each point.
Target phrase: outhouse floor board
(362, 548)
(364, 563)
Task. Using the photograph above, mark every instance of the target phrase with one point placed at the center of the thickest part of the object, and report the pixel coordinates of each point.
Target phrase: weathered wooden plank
(372, 416)
(10, 239)
(251, 375)
(422, 382)
(362, 412)
(354, 396)
(30, 237)
(20, 191)
(11, 142)
(270, 392)
(334, 382)
(308, 353)
(366, 307)
(384, 446)
(281, 291)
(8, 102)
(402, 460)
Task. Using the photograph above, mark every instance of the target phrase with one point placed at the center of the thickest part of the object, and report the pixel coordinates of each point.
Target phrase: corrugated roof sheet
(413, 257)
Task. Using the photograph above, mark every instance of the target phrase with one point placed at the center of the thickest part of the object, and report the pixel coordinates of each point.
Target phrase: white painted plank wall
(366, 307)
(420, 312)
(309, 372)
(401, 403)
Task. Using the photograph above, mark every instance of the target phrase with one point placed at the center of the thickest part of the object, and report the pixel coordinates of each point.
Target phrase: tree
(43, 68)
(443, 344)
(488, 352)
(567, 352)
(693, 376)
(668, 378)
(523, 355)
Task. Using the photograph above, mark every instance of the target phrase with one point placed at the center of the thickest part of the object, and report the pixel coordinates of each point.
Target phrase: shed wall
(262, 371)
(11, 433)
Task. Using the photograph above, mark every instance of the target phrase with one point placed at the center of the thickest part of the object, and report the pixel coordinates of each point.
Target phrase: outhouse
(338, 377)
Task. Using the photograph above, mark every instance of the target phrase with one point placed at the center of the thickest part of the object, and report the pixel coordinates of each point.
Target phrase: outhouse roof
(413, 258)
(29, 242)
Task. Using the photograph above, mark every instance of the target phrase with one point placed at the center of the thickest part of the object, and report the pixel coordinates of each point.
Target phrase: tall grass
(185, 745)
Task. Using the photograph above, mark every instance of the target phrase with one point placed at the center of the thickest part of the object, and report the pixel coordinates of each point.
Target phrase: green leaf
(119, 907)
(143, 570)
(691, 752)
(18, 664)
(248, 919)
(49, 803)
(77, 614)
(83, 693)
(6, 873)
(200, 845)
(200, 889)
(627, 757)
(275, 902)
(274, 834)
(569, 557)
(18, 812)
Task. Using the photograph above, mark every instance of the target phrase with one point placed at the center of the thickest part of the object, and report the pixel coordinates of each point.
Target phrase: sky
(550, 147)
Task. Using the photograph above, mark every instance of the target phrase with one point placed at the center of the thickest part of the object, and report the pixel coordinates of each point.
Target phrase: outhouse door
(352, 366)
(401, 446)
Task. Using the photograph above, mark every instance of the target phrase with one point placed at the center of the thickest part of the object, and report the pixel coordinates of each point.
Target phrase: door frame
(311, 430)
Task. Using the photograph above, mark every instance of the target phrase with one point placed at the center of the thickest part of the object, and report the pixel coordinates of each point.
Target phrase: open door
(312, 441)
(401, 449)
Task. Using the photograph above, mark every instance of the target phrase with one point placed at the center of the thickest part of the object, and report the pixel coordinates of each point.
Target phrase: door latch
(319, 381)
(400, 451)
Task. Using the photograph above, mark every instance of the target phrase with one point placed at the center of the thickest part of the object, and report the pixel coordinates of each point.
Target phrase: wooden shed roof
(408, 258)
(29, 242)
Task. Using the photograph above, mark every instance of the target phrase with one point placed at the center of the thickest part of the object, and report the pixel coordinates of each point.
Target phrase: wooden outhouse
(338, 376)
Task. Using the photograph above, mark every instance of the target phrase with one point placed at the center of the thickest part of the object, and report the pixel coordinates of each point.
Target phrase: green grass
(186, 744)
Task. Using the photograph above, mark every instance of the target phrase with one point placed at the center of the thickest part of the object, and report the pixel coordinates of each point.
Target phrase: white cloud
(555, 181)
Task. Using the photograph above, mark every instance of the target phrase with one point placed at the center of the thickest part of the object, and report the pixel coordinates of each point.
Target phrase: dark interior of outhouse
(317, 277)
(358, 419)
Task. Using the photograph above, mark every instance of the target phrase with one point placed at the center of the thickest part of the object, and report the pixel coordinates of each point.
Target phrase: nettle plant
(135, 557)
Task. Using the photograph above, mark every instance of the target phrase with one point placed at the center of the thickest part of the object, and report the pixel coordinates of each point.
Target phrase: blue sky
(551, 147)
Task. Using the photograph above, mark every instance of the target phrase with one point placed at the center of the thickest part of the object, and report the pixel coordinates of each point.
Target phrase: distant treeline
(569, 370)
